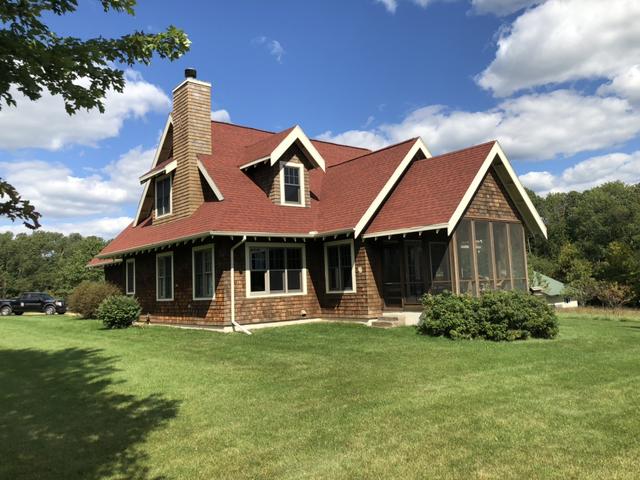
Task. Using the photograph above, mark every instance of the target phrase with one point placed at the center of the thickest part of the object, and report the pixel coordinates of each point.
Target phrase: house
(553, 291)
(238, 225)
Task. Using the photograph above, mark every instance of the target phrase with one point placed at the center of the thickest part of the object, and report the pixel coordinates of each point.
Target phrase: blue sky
(557, 82)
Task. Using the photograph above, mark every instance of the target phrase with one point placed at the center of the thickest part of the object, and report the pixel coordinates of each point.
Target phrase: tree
(33, 58)
(614, 295)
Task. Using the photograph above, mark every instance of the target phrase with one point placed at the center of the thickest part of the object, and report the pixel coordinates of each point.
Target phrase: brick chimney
(191, 136)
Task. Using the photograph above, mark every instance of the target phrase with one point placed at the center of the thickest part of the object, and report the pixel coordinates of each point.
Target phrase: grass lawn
(316, 401)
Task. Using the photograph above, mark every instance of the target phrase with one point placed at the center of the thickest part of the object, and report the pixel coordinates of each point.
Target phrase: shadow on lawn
(59, 417)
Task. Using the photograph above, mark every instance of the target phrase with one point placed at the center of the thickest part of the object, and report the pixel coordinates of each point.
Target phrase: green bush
(448, 315)
(498, 316)
(86, 297)
(118, 311)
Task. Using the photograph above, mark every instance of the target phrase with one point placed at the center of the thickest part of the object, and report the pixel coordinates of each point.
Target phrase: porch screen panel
(440, 268)
(501, 252)
(484, 255)
(466, 270)
(518, 262)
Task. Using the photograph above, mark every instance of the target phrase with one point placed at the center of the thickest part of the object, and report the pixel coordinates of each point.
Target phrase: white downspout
(233, 288)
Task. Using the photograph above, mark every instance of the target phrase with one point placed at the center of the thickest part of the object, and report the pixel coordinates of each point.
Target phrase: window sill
(164, 299)
(274, 295)
(163, 215)
(203, 299)
(292, 204)
(340, 292)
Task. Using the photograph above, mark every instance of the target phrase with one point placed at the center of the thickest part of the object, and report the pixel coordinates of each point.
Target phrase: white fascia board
(418, 145)
(254, 162)
(163, 138)
(168, 168)
(298, 135)
(495, 152)
(401, 231)
(210, 181)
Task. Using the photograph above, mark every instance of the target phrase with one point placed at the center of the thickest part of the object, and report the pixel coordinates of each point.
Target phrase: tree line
(594, 241)
(46, 262)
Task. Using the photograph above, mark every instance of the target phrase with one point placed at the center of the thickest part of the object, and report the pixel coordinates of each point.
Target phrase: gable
(491, 200)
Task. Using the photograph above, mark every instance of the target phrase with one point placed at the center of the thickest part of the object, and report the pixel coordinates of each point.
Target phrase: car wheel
(6, 310)
(49, 310)
(18, 313)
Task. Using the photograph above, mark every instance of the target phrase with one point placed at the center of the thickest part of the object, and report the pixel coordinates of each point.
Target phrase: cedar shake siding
(412, 223)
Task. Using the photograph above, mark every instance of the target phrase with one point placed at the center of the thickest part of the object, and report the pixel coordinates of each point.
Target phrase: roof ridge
(463, 149)
(339, 144)
(294, 126)
(375, 151)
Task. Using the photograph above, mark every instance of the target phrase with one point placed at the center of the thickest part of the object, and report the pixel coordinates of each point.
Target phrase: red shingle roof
(430, 190)
(339, 197)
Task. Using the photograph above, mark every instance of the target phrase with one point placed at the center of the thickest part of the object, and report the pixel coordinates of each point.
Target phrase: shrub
(448, 315)
(86, 297)
(118, 311)
(613, 294)
(494, 316)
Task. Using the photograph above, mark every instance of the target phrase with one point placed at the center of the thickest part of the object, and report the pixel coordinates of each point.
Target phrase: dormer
(280, 166)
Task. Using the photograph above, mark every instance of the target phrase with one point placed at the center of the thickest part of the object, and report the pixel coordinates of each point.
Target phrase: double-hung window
(164, 276)
(339, 266)
(163, 195)
(130, 280)
(275, 269)
(292, 178)
(203, 272)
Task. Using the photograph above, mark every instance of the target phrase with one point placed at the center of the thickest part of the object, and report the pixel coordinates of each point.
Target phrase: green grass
(328, 401)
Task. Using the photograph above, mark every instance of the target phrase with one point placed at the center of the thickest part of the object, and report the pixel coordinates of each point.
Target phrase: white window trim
(247, 257)
(130, 261)
(155, 192)
(353, 266)
(158, 256)
(303, 196)
(193, 271)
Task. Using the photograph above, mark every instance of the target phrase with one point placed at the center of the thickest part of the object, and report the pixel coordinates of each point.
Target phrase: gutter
(233, 288)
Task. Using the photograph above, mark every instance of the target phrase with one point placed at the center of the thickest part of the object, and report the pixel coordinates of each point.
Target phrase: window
(275, 269)
(130, 276)
(203, 271)
(292, 184)
(163, 196)
(164, 276)
(339, 266)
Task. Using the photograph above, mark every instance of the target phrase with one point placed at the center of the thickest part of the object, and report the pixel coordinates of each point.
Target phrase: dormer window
(292, 184)
(163, 196)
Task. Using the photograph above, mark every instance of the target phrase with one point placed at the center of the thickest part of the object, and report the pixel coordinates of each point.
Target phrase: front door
(414, 271)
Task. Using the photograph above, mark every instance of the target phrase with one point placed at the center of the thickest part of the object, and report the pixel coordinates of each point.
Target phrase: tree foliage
(46, 261)
(81, 71)
(594, 240)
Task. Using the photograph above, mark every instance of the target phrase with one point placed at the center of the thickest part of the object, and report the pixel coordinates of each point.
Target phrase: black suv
(33, 302)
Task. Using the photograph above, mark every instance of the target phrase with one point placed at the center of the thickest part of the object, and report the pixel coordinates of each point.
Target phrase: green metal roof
(550, 286)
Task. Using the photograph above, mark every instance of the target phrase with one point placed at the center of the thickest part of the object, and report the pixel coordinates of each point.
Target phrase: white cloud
(625, 85)
(105, 227)
(502, 7)
(274, 47)
(587, 174)
(221, 116)
(390, 5)
(59, 194)
(531, 127)
(565, 40)
(45, 123)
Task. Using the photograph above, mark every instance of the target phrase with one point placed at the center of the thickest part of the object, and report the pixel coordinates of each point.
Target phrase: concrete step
(385, 322)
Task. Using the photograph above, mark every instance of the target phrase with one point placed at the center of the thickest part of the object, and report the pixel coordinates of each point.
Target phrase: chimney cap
(190, 73)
